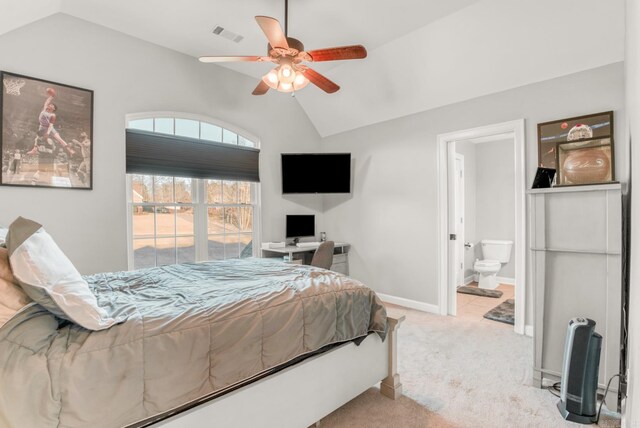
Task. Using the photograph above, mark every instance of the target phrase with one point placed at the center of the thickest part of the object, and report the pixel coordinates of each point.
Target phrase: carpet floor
(458, 373)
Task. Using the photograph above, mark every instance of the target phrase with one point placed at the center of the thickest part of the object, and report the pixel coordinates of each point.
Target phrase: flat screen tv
(299, 226)
(316, 173)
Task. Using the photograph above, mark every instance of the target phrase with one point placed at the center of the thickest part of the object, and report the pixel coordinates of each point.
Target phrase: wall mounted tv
(316, 173)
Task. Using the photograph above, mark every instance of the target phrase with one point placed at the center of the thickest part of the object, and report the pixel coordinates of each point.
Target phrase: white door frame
(515, 127)
(460, 208)
(454, 250)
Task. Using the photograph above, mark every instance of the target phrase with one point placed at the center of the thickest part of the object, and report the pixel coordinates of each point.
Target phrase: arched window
(183, 219)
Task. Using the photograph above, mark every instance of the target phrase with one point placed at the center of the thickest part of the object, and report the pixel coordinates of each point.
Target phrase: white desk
(340, 257)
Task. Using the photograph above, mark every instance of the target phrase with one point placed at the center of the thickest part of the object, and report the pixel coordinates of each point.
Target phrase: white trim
(491, 138)
(257, 220)
(129, 217)
(407, 303)
(460, 238)
(443, 239)
(586, 188)
(469, 279)
(516, 128)
(199, 202)
(191, 116)
(505, 280)
(528, 330)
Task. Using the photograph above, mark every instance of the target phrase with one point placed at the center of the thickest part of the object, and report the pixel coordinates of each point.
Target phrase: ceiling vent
(229, 35)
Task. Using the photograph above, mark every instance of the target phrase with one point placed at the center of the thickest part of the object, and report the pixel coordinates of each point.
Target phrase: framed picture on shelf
(46, 133)
(544, 178)
(587, 162)
(581, 149)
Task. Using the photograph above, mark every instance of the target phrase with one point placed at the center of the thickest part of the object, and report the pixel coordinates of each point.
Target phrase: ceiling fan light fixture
(300, 81)
(285, 81)
(287, 53)
(286, 73)
(272, 77)
(285, 87)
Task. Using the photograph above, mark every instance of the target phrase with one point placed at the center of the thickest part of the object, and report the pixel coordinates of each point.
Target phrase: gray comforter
(191, 330)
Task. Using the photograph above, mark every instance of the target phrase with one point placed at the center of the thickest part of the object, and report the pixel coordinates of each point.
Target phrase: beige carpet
(458, 373)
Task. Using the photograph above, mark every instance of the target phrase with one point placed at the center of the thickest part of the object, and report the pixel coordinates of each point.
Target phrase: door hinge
(452, 237)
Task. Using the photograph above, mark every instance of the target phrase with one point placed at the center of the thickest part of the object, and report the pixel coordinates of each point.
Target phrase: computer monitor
(299, 226)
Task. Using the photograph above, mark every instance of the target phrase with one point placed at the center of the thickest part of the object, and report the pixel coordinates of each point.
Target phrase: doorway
(451, 175)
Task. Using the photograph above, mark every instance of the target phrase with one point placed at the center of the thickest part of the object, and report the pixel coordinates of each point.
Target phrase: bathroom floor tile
(464, 299)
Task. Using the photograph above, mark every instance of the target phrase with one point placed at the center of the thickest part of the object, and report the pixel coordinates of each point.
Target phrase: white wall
(631, 419)
(489, 205)
(488, 47)
(129, 76)
(495, 197)
(391, 216)
(468, 150)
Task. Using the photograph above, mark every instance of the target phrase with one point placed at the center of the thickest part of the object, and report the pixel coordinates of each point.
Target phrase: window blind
(160, 154)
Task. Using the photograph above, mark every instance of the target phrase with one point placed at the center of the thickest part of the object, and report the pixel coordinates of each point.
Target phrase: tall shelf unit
(575, 252)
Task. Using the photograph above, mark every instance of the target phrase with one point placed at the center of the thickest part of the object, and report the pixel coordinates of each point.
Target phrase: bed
(238, 341)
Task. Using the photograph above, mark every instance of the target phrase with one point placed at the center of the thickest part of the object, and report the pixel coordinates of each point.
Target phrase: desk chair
(323, 257)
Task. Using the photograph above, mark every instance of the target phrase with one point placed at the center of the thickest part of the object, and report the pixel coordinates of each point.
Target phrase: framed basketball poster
(47, 133)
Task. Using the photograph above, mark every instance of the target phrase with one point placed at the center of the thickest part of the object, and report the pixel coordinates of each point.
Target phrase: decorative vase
(586, 166)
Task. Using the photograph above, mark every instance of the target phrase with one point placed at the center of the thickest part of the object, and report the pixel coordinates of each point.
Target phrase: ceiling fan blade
(339, 53)
(320, 81)
(261, 89)
(272, 29)
(230, 58)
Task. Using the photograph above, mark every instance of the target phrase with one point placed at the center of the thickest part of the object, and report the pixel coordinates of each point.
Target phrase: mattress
(190, 330)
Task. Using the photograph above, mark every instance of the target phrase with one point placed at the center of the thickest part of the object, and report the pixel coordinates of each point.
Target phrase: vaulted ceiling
(422, 53)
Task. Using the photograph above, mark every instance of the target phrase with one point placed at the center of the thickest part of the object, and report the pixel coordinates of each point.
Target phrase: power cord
(556, 387)
(604, 397)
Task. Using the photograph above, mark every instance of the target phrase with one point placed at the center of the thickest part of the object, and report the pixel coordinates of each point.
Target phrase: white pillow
(49, 277)
(12, 298)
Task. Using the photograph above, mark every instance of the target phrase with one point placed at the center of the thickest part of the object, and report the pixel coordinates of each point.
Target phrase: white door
(459, 219)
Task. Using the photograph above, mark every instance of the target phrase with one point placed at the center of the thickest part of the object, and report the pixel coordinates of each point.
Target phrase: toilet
(495, 253)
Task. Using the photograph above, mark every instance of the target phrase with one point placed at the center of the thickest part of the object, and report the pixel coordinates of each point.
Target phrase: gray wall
(468, 150)
(391, 216)
(128, 76)
(495, 196)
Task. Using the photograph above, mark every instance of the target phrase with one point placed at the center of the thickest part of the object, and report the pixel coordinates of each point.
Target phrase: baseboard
(468, 280)
(505, 280)
(407, 303)
(528, 330)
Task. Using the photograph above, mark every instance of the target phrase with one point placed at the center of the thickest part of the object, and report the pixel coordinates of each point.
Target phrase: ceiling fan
(288, 53)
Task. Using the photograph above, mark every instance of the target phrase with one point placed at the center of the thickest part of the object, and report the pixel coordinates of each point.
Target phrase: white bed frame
(301, 395)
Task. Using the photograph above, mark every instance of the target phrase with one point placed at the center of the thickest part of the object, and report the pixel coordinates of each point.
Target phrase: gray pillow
(49, 277)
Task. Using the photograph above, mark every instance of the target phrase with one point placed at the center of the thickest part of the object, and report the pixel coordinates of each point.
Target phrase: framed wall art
(581, 149)
(46, 133)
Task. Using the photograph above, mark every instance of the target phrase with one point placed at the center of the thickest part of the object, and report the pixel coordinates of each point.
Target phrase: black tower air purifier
(580, 372)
